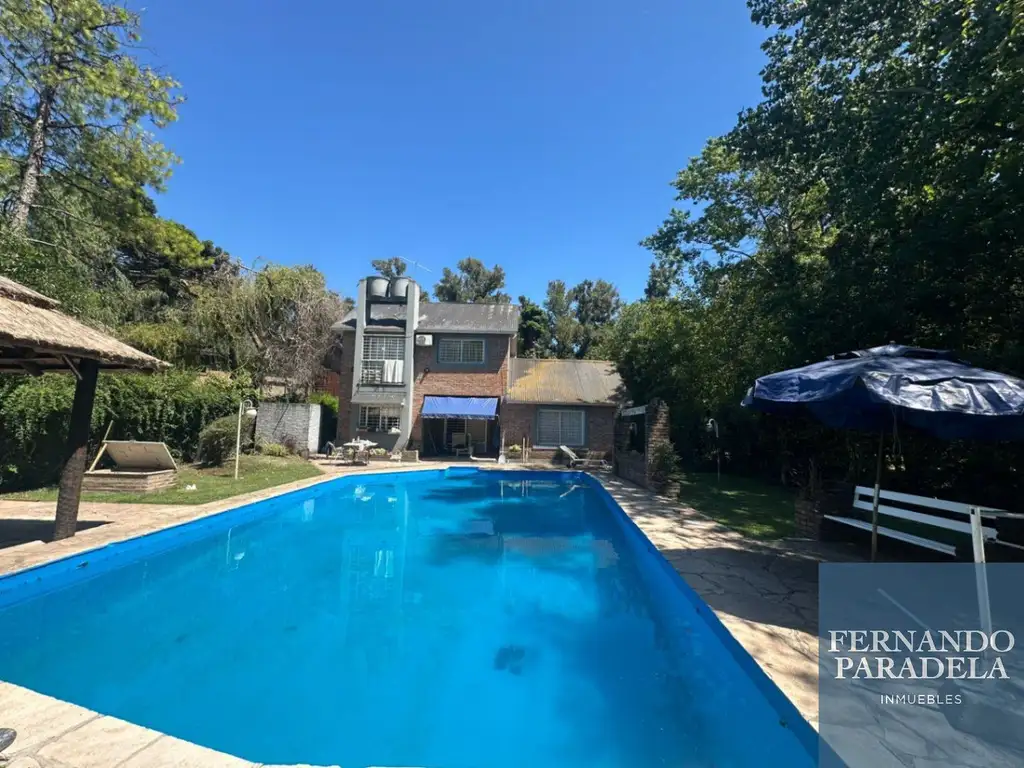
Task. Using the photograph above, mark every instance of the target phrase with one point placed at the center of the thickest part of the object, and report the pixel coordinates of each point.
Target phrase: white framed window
(377, 352)
(379, 418)
(560, 427)
(461, 351)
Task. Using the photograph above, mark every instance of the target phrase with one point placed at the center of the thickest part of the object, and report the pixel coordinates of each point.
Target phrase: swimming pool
(439, 618)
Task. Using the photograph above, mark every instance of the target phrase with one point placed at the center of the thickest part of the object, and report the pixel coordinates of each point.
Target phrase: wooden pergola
(36, 338)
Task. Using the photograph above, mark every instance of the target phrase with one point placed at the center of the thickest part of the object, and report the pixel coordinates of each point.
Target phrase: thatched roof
(35, 337)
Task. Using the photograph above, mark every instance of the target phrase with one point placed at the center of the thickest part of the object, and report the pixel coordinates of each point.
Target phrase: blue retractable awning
(436, 407)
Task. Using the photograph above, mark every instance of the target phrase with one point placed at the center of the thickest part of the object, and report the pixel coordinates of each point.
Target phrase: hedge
(172, 407)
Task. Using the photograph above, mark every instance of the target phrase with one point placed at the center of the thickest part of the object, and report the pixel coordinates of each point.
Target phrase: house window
(461, 351)
(557, 427)
(383, 360)
(377, 418)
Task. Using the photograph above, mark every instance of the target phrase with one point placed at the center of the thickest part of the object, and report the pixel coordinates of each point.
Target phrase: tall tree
(534, 331)
(76, 105)
(564, 327)
(389, 268)
(579, 317)
(595, 306)
(660, 280)
(875, 194)
(473, 282)
(161, 255)
(276, 321)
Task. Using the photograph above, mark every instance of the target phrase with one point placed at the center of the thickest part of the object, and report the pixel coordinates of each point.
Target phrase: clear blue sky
(536, 134)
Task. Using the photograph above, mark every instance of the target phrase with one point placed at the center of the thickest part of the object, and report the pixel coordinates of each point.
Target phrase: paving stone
(101, 743)
(37, 718)
(169, 752)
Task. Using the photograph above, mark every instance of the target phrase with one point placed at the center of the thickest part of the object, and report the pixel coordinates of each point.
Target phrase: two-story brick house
(423, 374)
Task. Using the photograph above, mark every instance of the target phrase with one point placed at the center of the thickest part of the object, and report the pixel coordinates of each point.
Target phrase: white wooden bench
(895, 505)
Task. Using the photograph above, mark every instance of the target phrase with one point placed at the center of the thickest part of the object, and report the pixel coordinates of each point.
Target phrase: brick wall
(434, 378)
(329, 382)
(517, 422)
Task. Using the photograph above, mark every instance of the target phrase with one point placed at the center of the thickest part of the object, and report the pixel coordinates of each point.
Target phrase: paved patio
(764, 593)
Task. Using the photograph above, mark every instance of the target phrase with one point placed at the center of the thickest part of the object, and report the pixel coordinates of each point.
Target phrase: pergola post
(73, 471)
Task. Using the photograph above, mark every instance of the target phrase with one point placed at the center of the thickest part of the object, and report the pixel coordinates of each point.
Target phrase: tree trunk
(33, 163)
(71, 475)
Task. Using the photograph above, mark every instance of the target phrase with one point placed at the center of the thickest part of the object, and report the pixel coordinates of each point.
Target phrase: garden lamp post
(249, 410)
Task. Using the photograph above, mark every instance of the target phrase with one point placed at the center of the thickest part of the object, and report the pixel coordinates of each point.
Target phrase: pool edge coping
(777, 699)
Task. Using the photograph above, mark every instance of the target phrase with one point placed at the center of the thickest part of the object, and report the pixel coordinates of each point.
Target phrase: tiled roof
(442, 317)
(577, 382)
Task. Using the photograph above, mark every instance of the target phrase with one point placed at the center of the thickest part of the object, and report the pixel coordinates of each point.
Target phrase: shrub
(169, 407)
(515, 449)
(663, 463)
(378, 451)
(217, 440)
(326, 401)
(274, 449)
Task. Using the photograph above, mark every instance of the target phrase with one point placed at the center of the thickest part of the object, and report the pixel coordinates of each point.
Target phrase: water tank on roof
(399, 287)
(376, 288)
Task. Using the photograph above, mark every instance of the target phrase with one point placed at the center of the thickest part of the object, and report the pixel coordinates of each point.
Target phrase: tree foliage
(77, 106)
(578, 319)
(389, 268)
(78, 159)
(276, 321)
(875, 194)
(472, 282)
(534, 333)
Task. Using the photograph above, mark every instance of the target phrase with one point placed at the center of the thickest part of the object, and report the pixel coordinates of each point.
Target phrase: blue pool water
(473, 619)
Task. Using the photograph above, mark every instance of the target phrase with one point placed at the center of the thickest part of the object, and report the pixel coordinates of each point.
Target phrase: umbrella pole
(874, 503)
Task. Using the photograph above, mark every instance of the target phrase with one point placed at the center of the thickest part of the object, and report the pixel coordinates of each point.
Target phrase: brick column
(657, 432)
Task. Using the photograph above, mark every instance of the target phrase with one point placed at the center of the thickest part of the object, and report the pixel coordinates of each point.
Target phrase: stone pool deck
(764, 593)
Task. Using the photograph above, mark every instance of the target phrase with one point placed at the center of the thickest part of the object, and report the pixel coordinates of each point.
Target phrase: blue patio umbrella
(884, 387)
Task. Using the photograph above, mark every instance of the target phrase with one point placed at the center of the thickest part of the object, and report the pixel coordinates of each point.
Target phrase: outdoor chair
(461, 445)
(593, 459)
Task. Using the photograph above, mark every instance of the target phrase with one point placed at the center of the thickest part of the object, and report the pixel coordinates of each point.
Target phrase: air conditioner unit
(424, 340)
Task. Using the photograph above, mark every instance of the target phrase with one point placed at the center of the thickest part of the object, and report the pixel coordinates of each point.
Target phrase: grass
(212, 483)
(753, 508)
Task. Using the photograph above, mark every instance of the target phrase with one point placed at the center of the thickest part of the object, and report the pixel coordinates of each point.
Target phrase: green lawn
(753, 508)
(212, 484)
